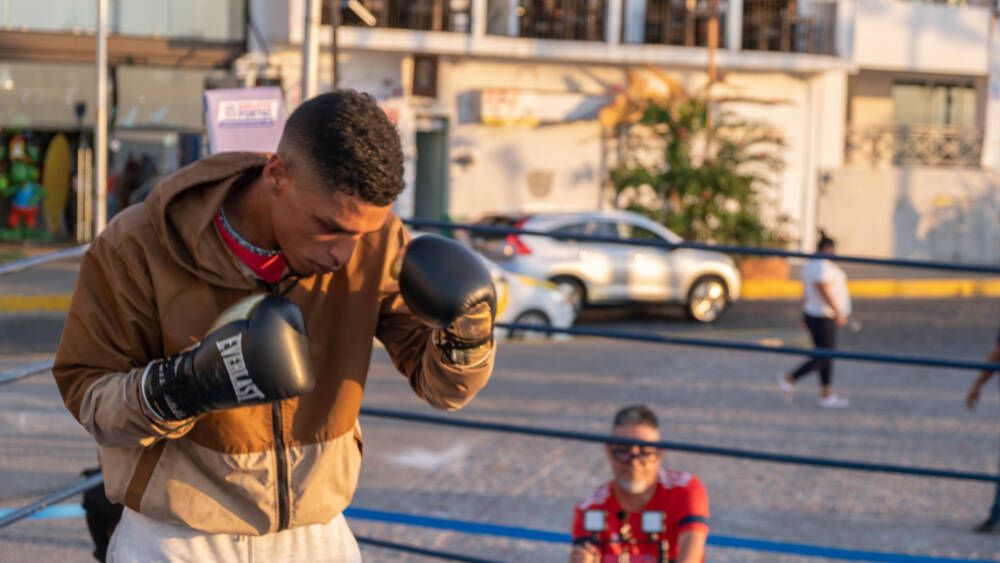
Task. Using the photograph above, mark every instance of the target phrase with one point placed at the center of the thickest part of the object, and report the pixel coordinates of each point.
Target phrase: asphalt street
(899, 415)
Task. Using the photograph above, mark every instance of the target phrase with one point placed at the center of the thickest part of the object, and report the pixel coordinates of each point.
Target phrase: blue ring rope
(62, 511)
(677, 446)
(752, 347)
(725, 248)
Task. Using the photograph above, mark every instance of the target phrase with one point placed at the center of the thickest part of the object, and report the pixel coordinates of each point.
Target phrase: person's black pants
(824, 334)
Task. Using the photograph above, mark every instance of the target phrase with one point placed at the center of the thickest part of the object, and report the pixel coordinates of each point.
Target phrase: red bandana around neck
(270, 269)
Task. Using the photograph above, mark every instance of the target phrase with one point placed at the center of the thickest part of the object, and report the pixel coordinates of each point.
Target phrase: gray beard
(632, 487)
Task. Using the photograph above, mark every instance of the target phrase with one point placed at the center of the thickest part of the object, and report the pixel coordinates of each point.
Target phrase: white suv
(593, 273)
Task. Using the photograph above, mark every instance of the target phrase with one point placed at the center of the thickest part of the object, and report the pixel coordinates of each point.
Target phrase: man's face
(316, 227)
(635, 467)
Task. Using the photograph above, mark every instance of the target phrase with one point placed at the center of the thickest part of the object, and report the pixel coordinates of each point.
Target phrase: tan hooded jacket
(152, 284)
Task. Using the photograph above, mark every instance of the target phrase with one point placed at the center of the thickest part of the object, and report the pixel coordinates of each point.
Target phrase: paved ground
(906, 416)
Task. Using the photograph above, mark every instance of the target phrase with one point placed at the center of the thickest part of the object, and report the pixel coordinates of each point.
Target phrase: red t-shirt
(679, 504)
(268, 268)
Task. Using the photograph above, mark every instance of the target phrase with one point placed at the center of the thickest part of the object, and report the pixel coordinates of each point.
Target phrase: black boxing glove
(449, 288)
(256, 352)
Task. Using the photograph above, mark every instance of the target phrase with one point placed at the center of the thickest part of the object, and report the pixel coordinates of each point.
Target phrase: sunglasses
(625, 454)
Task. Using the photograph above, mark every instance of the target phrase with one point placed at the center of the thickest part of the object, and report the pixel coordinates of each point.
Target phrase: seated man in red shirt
(646, 513)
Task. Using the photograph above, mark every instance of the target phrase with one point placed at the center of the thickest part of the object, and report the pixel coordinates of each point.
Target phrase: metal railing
(578, 20)
(914, 145)
(672, 22)
(783, 26)
(418, 15)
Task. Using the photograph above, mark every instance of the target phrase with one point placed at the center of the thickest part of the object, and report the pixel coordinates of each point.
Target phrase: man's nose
(342, 250)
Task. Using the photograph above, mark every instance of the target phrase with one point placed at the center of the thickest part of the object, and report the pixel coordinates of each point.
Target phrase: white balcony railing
(789, 26)
(914, 145)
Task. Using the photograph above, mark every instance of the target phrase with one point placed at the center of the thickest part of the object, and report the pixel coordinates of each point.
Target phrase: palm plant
(697, 168)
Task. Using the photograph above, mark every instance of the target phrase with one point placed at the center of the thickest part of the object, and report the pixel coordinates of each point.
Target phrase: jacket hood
(182, 209)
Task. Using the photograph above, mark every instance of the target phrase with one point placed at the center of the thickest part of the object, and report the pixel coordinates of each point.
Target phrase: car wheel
(574, 292)
(707, 299)
(533, 317)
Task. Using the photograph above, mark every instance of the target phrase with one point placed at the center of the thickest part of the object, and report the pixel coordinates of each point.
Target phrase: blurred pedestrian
(646, 513)
(826, 307)
(992, 523)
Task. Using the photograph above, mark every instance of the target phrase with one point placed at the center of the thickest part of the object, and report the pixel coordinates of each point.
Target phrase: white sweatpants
(139, 539)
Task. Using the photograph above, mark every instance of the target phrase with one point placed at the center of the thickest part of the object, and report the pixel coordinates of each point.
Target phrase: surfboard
(56, 175)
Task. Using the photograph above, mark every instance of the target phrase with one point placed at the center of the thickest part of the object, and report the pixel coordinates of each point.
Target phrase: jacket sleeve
(409, 343)
(111, 334)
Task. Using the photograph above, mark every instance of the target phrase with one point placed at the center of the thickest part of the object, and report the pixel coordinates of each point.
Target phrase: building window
(923, 103)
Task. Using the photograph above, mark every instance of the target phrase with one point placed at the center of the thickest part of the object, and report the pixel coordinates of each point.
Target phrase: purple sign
(244, 119)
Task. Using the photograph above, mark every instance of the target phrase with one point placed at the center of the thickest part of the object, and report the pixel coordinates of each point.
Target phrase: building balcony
(914, 145)
(417, 15)
(574, 20)
(618, 32)
(787, 27)
(766, 25)
(682, 23)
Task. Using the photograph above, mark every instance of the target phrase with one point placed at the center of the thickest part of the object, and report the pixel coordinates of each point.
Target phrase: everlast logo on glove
(219, 373)
(232, 356)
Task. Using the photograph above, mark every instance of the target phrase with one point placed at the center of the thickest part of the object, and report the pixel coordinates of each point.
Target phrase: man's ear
(276, 172)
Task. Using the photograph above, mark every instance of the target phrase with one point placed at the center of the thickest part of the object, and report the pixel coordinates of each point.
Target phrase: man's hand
(257, 352)
(585, 553)
(449, 288)
(841, 320)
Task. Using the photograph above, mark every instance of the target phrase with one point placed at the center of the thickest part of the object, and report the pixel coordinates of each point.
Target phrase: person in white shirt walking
(826, 307)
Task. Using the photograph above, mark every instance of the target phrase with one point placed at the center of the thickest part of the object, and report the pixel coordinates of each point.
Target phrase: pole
(101, 125)
(335, 51)
(713, 46)
(713, 38)
(310, 49)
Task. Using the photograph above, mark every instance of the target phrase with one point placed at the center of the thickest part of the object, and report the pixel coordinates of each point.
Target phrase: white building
(498, 99)
(891, 109)
(923, 141)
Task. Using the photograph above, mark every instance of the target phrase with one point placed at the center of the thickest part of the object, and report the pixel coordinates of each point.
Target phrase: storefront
(155, 126)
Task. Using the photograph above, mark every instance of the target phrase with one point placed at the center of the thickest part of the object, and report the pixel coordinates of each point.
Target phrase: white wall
(991, 103)
(921, 213)
(503, 168)
(789, 115)
(523, 168)
(809, 111)
(272, 20)
(913, 36)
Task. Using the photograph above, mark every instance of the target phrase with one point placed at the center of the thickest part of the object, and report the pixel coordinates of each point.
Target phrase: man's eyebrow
(335, 226)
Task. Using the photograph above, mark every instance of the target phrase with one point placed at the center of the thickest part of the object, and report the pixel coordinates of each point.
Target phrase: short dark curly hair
(349, 142)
